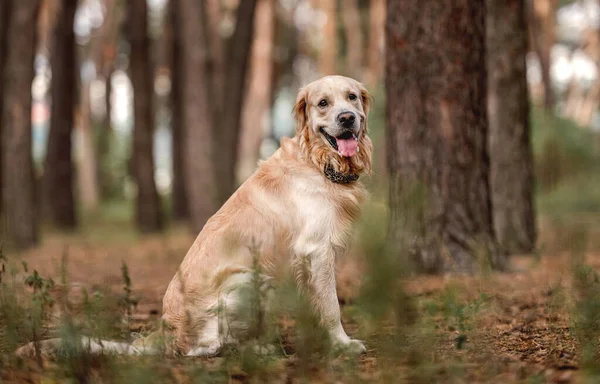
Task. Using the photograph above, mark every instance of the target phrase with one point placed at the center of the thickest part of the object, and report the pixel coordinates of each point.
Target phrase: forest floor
(523, 326)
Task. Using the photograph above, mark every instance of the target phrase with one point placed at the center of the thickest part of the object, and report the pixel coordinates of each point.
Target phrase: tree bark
(329, 43)
(286, 46)
(376, 42)
(197, 130)
(88, 148)
(87, 159)
(148, 210)
(4, 13)
(354, 38)
(588, 102)
(215, 66)
(179, 194)
(58, 167)
(542, 21)
(227, 132)
(110, 33)
(255, 116)
(511, 159)
(46, 22)
(18, 178)
(105, 135)
(437, 134)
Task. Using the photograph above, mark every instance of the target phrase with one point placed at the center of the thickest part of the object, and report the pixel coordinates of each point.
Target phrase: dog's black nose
(346, 119)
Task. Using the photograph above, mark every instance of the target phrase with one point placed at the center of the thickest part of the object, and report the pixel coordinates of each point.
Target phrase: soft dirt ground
(523, 333)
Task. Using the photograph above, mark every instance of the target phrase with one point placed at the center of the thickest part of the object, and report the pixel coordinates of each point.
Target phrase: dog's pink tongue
(347, 147)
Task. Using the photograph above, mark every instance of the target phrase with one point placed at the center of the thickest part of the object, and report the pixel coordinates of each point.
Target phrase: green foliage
(587, 317)
(586, 314)
(114, 154)
(23, 320)
(567, 165)
(461, 313)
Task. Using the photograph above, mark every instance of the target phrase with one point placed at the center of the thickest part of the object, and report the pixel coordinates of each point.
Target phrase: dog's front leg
(321, 289)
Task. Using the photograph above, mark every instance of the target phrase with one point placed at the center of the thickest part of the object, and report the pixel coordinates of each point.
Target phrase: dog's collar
(339, 177)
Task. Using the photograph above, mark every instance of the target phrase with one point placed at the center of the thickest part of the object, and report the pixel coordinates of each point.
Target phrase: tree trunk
(354, 38)
(110, 32)
(59, 202)
(589, 105)
(573, 99)
(87, 159)
(329, 43)
(148, 210)
(105, 136)
(4, 11)
(255, 116)
(511, 159)
(197, 131)
(437, 134)
(286, 44)
(376, 42)
(90, 151)
(87, 155)
(227, 132)
(46, 22)
(179, 194)
(215, 66)
(18, 179)
(542, 21)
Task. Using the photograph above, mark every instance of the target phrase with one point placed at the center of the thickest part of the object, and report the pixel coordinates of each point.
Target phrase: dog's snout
(346, 119)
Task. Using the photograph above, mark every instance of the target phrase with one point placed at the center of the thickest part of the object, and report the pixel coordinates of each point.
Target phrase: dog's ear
(366, 100)
(300, 110)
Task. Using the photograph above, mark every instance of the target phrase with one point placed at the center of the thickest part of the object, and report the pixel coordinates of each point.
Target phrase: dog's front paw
(350, 347)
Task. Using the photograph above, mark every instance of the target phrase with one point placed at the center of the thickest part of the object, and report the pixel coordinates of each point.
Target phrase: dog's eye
(352, 96)
(323, 103)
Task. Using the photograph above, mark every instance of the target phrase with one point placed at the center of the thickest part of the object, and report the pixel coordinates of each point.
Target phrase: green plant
(461, 314)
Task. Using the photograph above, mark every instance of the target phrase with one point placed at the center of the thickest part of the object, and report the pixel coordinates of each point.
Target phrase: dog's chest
(320, 214)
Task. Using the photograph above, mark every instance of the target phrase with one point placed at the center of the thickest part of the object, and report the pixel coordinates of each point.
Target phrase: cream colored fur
(290, 215)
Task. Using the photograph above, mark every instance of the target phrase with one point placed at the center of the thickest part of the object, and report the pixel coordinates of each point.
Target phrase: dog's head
(331, 115)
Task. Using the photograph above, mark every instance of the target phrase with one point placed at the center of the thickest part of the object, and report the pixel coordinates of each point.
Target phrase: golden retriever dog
(292, 216)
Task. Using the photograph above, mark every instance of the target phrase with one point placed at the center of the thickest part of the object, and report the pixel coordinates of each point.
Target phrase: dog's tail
(93, 346)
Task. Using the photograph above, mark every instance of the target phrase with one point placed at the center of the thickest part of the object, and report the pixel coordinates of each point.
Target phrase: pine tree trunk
(255, 116)
(227, 131)
(148, 210)
(354, 39)
(197, 130)
(437, 134)
(215, 66)
(18, 179)
(376, 42)
(87, 155)
(87, 151)
(110, 32)
(179, 194)
(329, 43)
(542, 15)
(511, 159)
(4, 10)
(286, 42)
(105, 136)
(58, 168)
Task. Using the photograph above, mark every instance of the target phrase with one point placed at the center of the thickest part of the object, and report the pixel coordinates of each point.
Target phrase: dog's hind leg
(209, 344)
(238, 315)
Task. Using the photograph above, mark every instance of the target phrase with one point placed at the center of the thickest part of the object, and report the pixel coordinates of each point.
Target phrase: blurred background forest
(125, 124)
(115, 100)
